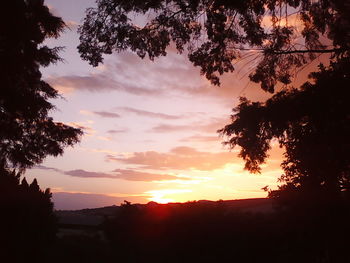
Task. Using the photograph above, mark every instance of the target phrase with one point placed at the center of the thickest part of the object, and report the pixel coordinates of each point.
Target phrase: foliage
(27, 220)
(277, 36)
(80, 248)
(216, 232)
(27, 133)
(312, 124)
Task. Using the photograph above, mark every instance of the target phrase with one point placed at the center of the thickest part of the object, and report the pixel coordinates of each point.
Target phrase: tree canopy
(279, 38)
(312, 124)
(27, 132)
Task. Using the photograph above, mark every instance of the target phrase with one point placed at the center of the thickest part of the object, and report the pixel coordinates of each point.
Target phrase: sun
(161, 200)
(161, 196)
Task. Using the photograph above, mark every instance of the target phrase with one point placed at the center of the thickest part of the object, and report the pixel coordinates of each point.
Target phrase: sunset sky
(150, 128)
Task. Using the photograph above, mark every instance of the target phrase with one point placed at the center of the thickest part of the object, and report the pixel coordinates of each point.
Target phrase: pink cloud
(132, 175)
(124, 174)
(113, 131)
(165, 128)
(211, 126)
(179, 158)
(86, 174)
(106, 114)
(99, 82)
(149, 113)
(172, 74)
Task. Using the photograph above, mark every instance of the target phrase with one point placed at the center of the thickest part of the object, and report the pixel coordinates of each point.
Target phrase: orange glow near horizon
(160, 196)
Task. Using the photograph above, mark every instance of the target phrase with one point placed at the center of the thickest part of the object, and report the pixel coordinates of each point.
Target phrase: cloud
(117, 131)
(124, 174)
(211, 126)
(170, 75)
(165, 128)
(184, 150)
(131, 175)
(104, 138)
(89, 83)
(200, 138)
(174, 74)
(97, 82)
(103, 114)
(179, 158)
(87, 174)
(42, 167)
(106, 114)
(149, 113)
(113, 114)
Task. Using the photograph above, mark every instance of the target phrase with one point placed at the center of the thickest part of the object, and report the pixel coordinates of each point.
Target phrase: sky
(149, 128)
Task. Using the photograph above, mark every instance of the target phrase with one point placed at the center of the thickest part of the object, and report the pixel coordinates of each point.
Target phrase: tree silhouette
(312, 124)
(278, 38)
(27, 133)
(27, 220)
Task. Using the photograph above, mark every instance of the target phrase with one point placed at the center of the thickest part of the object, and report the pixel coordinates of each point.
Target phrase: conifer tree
(27, 132)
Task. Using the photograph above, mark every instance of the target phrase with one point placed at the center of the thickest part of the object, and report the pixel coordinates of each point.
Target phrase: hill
(95, 216)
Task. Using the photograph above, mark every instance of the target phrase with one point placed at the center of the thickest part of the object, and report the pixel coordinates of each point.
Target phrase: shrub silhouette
(27, 220)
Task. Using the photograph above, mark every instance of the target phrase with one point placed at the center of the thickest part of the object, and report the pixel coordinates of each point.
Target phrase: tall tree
(312, 123)
(279, 38)
(27, 132)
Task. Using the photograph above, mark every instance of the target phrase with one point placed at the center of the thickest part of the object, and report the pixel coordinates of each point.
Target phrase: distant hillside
(94, 217)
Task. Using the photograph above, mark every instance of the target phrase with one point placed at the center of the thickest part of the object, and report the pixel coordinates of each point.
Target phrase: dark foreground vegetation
(256, 230)
(202, 232)
(310, 221)
(28, 224)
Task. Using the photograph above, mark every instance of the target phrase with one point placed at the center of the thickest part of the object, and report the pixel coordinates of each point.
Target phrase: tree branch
(303, 51)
